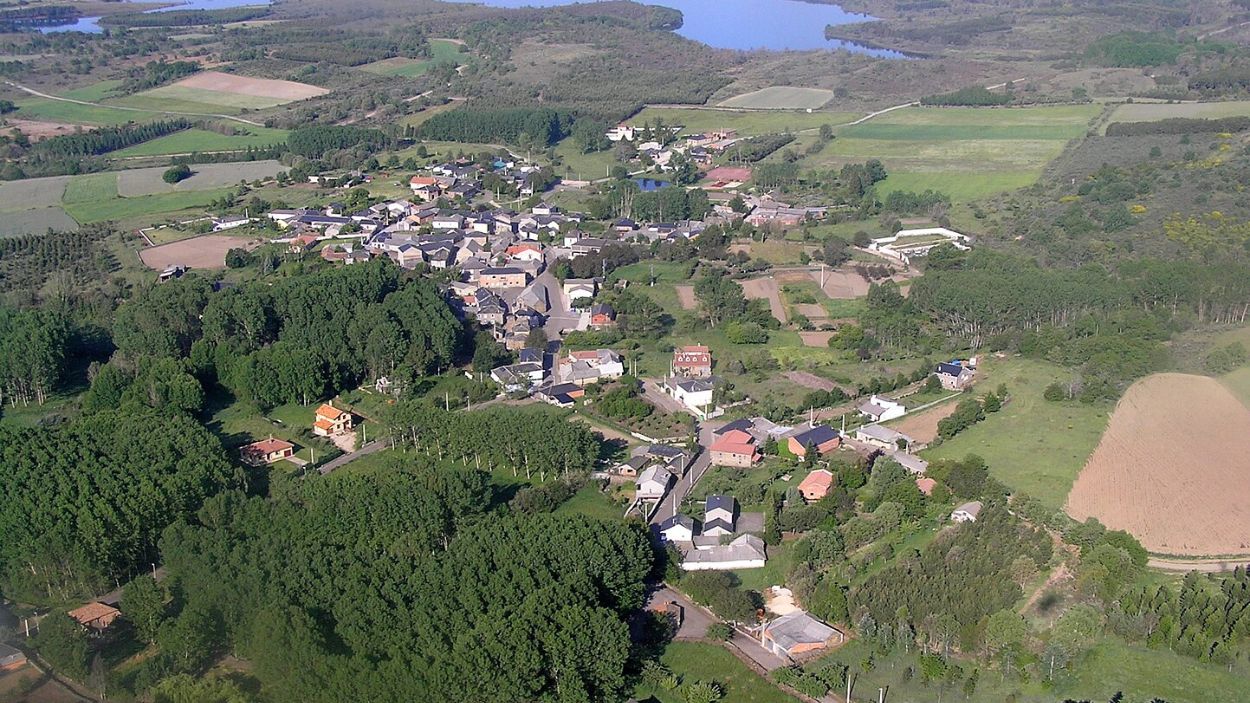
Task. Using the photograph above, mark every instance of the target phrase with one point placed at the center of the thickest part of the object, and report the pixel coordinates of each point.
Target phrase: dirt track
(766, 289)
(922, 426)
(808, 380)
(685, 295)
(1173, 468)
(207, 252)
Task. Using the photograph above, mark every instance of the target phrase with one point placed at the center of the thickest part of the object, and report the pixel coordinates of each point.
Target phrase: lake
(91, 25)
(749, 24)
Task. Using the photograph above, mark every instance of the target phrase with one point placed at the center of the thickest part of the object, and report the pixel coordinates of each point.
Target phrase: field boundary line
(38, 94)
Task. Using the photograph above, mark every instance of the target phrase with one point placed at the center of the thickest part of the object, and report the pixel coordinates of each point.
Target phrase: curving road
(38, 94)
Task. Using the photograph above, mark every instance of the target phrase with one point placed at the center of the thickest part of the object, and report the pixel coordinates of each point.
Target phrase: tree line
(523, 126)
(33, 346)
(102, 140)
(314, 142)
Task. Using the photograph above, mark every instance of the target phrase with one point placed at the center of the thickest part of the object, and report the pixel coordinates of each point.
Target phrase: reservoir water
(91, 25)
(749, 24)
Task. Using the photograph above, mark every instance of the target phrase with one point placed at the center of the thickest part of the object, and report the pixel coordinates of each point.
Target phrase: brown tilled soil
(1173, 468)
(37, 130)
(815, 339)
(922, 426)
(246, 85)
(842, 285)
(809, 380)
(206, 252)
(766, 289)
(685, 295)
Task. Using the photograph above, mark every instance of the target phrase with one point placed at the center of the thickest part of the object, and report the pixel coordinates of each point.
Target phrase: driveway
(657, 397)
(696, 620)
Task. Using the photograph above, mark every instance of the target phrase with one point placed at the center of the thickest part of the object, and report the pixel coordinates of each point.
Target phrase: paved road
(679, 491)
(338, 462)
(560, 318)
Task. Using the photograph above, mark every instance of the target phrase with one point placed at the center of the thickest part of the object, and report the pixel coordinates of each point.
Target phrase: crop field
(1032, 445)
(36, 221)
(33, 193)
(212, 92)
(781, 98)
(1173, 468)
(966, 153)
(73, 113)
(122, 209)
(203, 140)
(1148, 112)
(275, 91)
(148, 181)
(747, 122)
(443, 52)
(923, 426)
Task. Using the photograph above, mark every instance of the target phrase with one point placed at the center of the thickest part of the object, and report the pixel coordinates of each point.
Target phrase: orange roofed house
(816, 485)
(96, 616)
(735, 448)
(693, 361)
(822, 438)
(266, 451)
(331, 420)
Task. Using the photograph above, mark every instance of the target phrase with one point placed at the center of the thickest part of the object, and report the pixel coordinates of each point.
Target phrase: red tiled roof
(269, 446)
(729, 447)
(91, 612)
(329, 411)
(817, 480)
(926, 485)
(737, 437)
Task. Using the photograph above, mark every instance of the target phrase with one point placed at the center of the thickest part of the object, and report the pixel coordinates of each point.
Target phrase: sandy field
(246, 85)
(38, 129)
(810, 380)
(842, 285)
(766, 289)
(816, 339)
(730, 173)
(922, 426)
(206, 252)
(685, 295)
(1173, 468)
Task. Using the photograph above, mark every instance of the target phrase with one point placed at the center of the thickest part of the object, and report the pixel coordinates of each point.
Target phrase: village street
(673, 499)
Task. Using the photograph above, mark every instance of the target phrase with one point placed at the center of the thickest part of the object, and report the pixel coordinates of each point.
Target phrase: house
(880, 409)
(525, 251)
(653, 483)
(883, 437)
(693, 361)
(563, 395)
(331, 420)
(816, 485)
(602, 315)
(632, 465)
(11, 658)
(585, 367)
(719, 515)
(735, 448)
(745, 552)
(911, 462)
(955, 375)
(451, 221)
(926, 485)
(506, 277)
(822, 437)
(578, 288)
(96, 616)
(518, 377)
(798, 633)
(266, 451)
(694, 393)
(967, 512)
(678, 528)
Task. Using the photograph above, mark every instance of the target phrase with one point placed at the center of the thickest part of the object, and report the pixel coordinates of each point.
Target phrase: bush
(720, 631)
(177, 173)
(1055, 392)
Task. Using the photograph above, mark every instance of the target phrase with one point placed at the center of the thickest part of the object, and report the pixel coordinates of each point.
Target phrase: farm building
(955, 375)
(878, 409)
(745, 552)
(798, 633)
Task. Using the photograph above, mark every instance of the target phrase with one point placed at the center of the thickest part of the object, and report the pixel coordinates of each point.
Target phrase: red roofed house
(425, 187)
(266, 451)
(96, 616)
(331, 421)
(694, 361)
(302, 243)
(735, 448)
(816, 485)
(525, 251)
(926, 485)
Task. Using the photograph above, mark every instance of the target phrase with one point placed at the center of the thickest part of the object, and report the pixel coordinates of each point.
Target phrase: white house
(967, 512)
(653, 483)
(718, 516)
(580, 288)
(517, 377)
(880, 409)
(695, 394)
(586, 367)
(678, 528)
(745, 552)
(883, 437)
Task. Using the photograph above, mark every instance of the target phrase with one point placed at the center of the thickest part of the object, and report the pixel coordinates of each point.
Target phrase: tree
(177, 173)
(701, 692)
(1004, 634)
(63, 643)
(184, 688)
(488, 353)
(143, 602)
(537, 339)
(720, 631)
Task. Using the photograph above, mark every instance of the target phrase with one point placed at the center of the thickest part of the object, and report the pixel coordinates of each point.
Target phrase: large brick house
(693, 361)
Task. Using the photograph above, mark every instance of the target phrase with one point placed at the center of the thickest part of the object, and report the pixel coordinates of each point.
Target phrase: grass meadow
(203, 140)
(781, 98)
(443, 52)
(696, 661)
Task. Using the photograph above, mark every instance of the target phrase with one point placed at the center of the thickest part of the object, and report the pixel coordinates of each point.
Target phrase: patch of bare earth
(922, 426)
(810, 380)
(1172, 468)
(37, 130)
(206, 252)
(766, 289)
(841, 285)
(685, 296)
(246, 85)
(815, 339)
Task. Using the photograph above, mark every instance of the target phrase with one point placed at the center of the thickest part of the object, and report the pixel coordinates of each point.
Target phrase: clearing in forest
(1173, 468)
(685, 294)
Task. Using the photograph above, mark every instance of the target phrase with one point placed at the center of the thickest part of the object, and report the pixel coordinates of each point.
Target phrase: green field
(149, 181)
(73, 113)
(93, 188)
(1148, 112)
(202, 140)
(781, 98)
(32, 193)
(94, 92)
(443, 51)
(694, 661)
(961, 187)
(1032, 445)
(746, 122)
(124, 208)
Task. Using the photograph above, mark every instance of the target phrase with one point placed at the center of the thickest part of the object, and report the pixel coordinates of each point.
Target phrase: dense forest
(519, 126)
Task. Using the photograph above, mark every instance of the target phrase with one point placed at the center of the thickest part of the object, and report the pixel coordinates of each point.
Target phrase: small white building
(580, 288)
(880, 409)
(678, 528)
(653, 483)
(967, 512)
(695, 394)
(883, 437)
(909, 243)
(745, 552)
